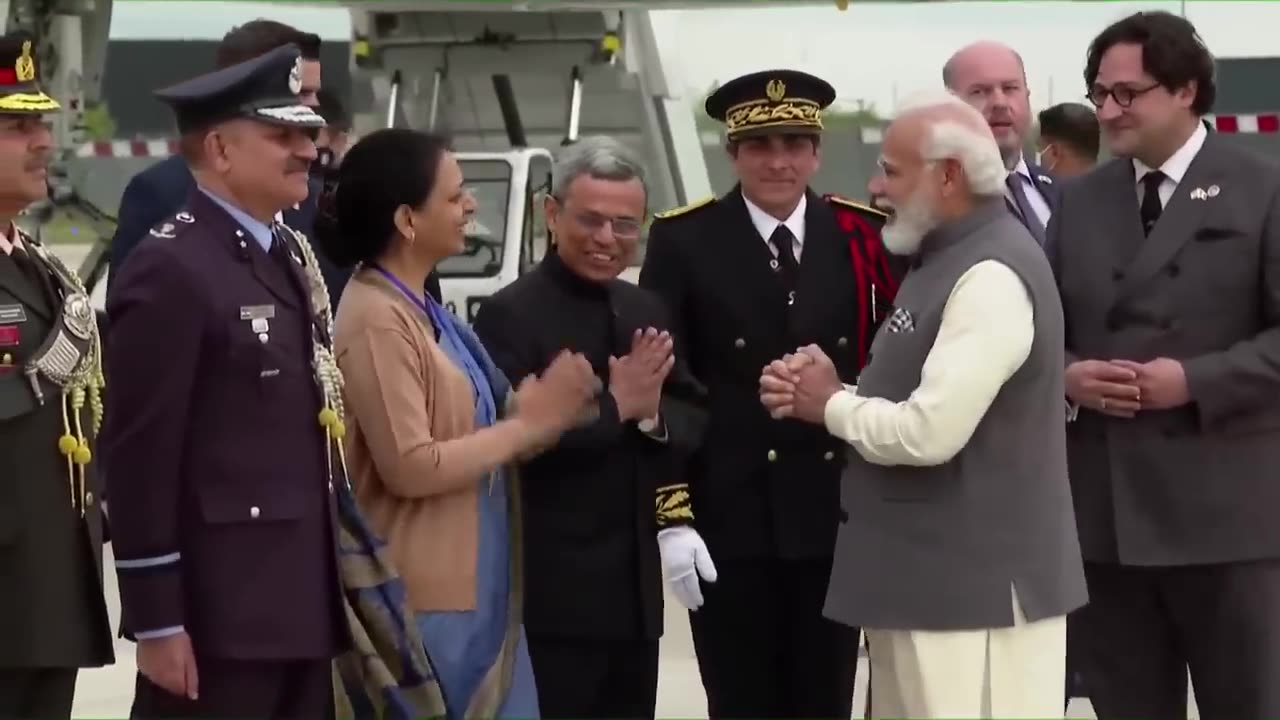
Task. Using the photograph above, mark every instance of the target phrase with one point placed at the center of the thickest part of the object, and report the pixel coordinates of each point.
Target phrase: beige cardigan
(410, 447)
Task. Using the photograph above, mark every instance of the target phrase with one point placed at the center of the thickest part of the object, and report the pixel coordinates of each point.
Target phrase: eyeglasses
(1124, 95)
(624, 228)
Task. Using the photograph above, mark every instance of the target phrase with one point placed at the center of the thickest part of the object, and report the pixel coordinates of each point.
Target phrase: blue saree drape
(401, 662)
(464, 645)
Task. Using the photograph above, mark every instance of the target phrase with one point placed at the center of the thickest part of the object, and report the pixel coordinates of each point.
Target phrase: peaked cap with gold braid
(20, 92)
(772, 102)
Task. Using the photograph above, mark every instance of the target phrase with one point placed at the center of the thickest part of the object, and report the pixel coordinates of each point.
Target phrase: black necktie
(781, 240)
(1022, 206)
(1151, 207)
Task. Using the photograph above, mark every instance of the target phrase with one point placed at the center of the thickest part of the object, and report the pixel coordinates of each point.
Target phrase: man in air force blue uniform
(221, 441)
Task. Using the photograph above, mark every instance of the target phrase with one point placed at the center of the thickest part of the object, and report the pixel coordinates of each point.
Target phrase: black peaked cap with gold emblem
(771, 102)
(264, 88)
(20, 92)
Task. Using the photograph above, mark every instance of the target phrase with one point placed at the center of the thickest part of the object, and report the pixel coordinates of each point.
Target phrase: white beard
(910, 223)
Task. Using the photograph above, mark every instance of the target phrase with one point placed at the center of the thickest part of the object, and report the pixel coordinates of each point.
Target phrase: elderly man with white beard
(955, 499)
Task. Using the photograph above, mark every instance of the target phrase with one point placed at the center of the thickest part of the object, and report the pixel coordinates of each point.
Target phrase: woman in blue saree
(432, 427)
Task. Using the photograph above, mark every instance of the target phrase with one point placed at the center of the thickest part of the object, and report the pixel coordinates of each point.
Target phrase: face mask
(325, 160)
(1040, 159)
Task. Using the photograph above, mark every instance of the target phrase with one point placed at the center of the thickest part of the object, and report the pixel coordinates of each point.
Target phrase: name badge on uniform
(257, 312)
(258, 315)
(13, 314)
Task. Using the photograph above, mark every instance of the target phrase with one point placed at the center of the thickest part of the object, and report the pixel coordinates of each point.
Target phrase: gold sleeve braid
(673, 506)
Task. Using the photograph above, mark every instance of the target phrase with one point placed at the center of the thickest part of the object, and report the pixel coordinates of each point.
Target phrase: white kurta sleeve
(985, 336)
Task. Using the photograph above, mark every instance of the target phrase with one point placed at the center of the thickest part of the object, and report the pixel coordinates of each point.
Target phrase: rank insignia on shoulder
(685, 209)
(846, 202)
(164, 231)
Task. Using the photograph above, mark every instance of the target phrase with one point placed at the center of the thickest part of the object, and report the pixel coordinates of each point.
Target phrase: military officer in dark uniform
(760, 271)
(221, 440)
(53, 618)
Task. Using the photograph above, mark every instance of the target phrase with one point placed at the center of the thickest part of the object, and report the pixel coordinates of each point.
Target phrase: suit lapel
(742, 241)
(267, 271)
(298, 276)
(21, 287)
(1181, 218)
(1044, 184)
(272, 277)
(820, 257)
(1115, 203)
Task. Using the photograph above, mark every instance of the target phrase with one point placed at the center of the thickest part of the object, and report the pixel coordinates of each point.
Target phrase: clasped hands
(1121, 388)
(799, 385)
(635, 379)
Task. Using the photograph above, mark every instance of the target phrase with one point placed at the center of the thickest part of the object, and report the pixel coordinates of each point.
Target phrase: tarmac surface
(108, 692)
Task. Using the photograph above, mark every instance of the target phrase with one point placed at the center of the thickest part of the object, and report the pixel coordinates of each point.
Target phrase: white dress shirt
(766, 224)
(1174, 168)
(985, 336)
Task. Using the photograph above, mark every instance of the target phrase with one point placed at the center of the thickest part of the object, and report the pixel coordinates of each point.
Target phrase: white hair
(948, 139)
(601, 157)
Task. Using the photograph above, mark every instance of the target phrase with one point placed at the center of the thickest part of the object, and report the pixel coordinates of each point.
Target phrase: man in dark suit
(747, 278)
(53, 617)
(991, 77)
(221, 435)
(1166, 258)
(593, 604)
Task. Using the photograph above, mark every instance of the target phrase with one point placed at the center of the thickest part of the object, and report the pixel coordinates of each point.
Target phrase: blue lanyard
(419, 300)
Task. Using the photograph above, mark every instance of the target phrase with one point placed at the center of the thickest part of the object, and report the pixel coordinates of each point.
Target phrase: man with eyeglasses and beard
(960, 559)
(1168, 261)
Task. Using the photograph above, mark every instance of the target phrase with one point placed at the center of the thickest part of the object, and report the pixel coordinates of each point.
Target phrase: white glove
(683, 552)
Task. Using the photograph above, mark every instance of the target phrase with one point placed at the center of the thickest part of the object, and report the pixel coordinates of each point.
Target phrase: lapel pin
(184, 217)
(1213, 191)
(1199, 194)
(1045, 179)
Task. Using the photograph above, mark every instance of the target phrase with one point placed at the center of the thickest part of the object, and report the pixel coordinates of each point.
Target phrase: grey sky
(872, 51)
